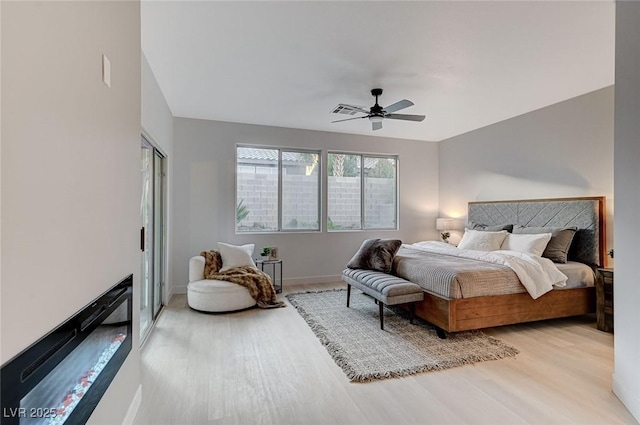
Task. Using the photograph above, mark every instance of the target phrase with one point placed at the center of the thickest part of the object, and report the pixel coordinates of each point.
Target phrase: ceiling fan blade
(349, 119)
(376, 125)
(343, 108)
(405, 117)
(398, 105)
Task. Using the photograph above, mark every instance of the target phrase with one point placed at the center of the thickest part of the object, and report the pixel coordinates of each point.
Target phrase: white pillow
(236, 256)
(481, 240)
(528, 243)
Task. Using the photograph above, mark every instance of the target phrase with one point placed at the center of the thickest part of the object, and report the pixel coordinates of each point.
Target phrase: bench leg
(381, 305)
(348, 294)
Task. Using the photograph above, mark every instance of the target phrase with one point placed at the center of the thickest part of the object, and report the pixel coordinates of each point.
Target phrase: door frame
(147, 141)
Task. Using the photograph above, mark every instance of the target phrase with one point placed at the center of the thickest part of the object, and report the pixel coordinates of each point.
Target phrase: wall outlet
(106, 71)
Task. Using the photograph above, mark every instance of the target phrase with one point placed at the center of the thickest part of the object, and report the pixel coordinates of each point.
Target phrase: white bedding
(537, 274)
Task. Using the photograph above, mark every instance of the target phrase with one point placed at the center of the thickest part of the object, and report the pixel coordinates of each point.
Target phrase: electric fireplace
(61, 378)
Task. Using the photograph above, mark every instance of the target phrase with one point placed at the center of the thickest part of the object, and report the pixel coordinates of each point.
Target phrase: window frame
(363, 176)
(280, 224)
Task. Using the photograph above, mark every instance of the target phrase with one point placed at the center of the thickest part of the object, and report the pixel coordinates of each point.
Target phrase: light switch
(106, 71)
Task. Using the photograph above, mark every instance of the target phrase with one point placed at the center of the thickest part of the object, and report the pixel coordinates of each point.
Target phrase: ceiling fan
(377, 113)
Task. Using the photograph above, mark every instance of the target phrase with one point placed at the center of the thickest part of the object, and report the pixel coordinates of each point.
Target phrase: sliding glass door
(152, 236)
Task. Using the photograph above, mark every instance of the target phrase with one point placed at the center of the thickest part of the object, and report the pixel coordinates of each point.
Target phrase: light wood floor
(267, 367)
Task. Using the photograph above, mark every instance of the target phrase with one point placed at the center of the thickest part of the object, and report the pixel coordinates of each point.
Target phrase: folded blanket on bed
(257, 282)
(537, 274)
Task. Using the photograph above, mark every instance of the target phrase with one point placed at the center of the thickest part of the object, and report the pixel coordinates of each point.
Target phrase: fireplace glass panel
(58, 394)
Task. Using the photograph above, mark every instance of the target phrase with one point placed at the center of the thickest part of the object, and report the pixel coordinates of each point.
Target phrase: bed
(458, 301)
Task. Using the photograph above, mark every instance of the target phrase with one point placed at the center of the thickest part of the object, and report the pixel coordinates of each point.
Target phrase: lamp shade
(444, 223)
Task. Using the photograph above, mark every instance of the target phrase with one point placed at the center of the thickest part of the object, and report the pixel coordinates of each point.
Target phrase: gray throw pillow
(558, 247)
(484, 227)
(375, 254)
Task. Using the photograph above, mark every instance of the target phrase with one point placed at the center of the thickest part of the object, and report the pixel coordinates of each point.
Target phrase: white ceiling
(465, 65)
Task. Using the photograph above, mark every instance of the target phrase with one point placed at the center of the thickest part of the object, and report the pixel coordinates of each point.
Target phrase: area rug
(353, 337)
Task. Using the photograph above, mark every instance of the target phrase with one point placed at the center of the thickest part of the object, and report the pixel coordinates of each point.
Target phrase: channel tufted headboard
(587, 214)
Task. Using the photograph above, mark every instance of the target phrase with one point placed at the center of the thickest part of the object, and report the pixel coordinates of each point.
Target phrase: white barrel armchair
(214, 295)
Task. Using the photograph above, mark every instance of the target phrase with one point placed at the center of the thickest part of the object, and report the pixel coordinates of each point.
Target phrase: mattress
(455, 277)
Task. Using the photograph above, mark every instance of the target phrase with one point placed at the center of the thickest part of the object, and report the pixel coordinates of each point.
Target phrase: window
(361, 192)
(277, 189)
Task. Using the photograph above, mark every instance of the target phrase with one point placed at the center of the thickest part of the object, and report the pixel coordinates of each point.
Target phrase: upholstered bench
(385, 288)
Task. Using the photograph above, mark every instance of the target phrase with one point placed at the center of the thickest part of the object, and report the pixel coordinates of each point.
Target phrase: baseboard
(311, 280)
(133, 407)
(624, 391)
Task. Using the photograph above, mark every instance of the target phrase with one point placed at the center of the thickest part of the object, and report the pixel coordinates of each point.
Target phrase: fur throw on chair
(212, 263)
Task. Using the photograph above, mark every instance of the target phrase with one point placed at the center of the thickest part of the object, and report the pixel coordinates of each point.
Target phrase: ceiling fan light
(375, 118)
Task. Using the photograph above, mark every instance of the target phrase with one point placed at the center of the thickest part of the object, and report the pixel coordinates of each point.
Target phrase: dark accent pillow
(484, 227)
(585, 248)
(375, 254)
(558, 247)
(212, 263)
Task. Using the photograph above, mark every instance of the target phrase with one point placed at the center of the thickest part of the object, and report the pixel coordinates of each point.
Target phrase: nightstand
(604, 299)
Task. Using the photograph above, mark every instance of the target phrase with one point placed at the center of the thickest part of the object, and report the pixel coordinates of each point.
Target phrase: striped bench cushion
(384, 287)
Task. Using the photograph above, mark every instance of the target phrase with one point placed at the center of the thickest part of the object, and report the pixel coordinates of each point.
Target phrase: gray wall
(70, 163)
(559, 151)
(204, 213)
(626, 379)
(157, 120)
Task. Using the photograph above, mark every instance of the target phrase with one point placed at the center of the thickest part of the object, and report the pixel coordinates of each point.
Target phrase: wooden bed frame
(455, 315)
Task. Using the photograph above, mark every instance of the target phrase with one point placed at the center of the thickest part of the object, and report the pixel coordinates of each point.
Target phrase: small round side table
(277, 277)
